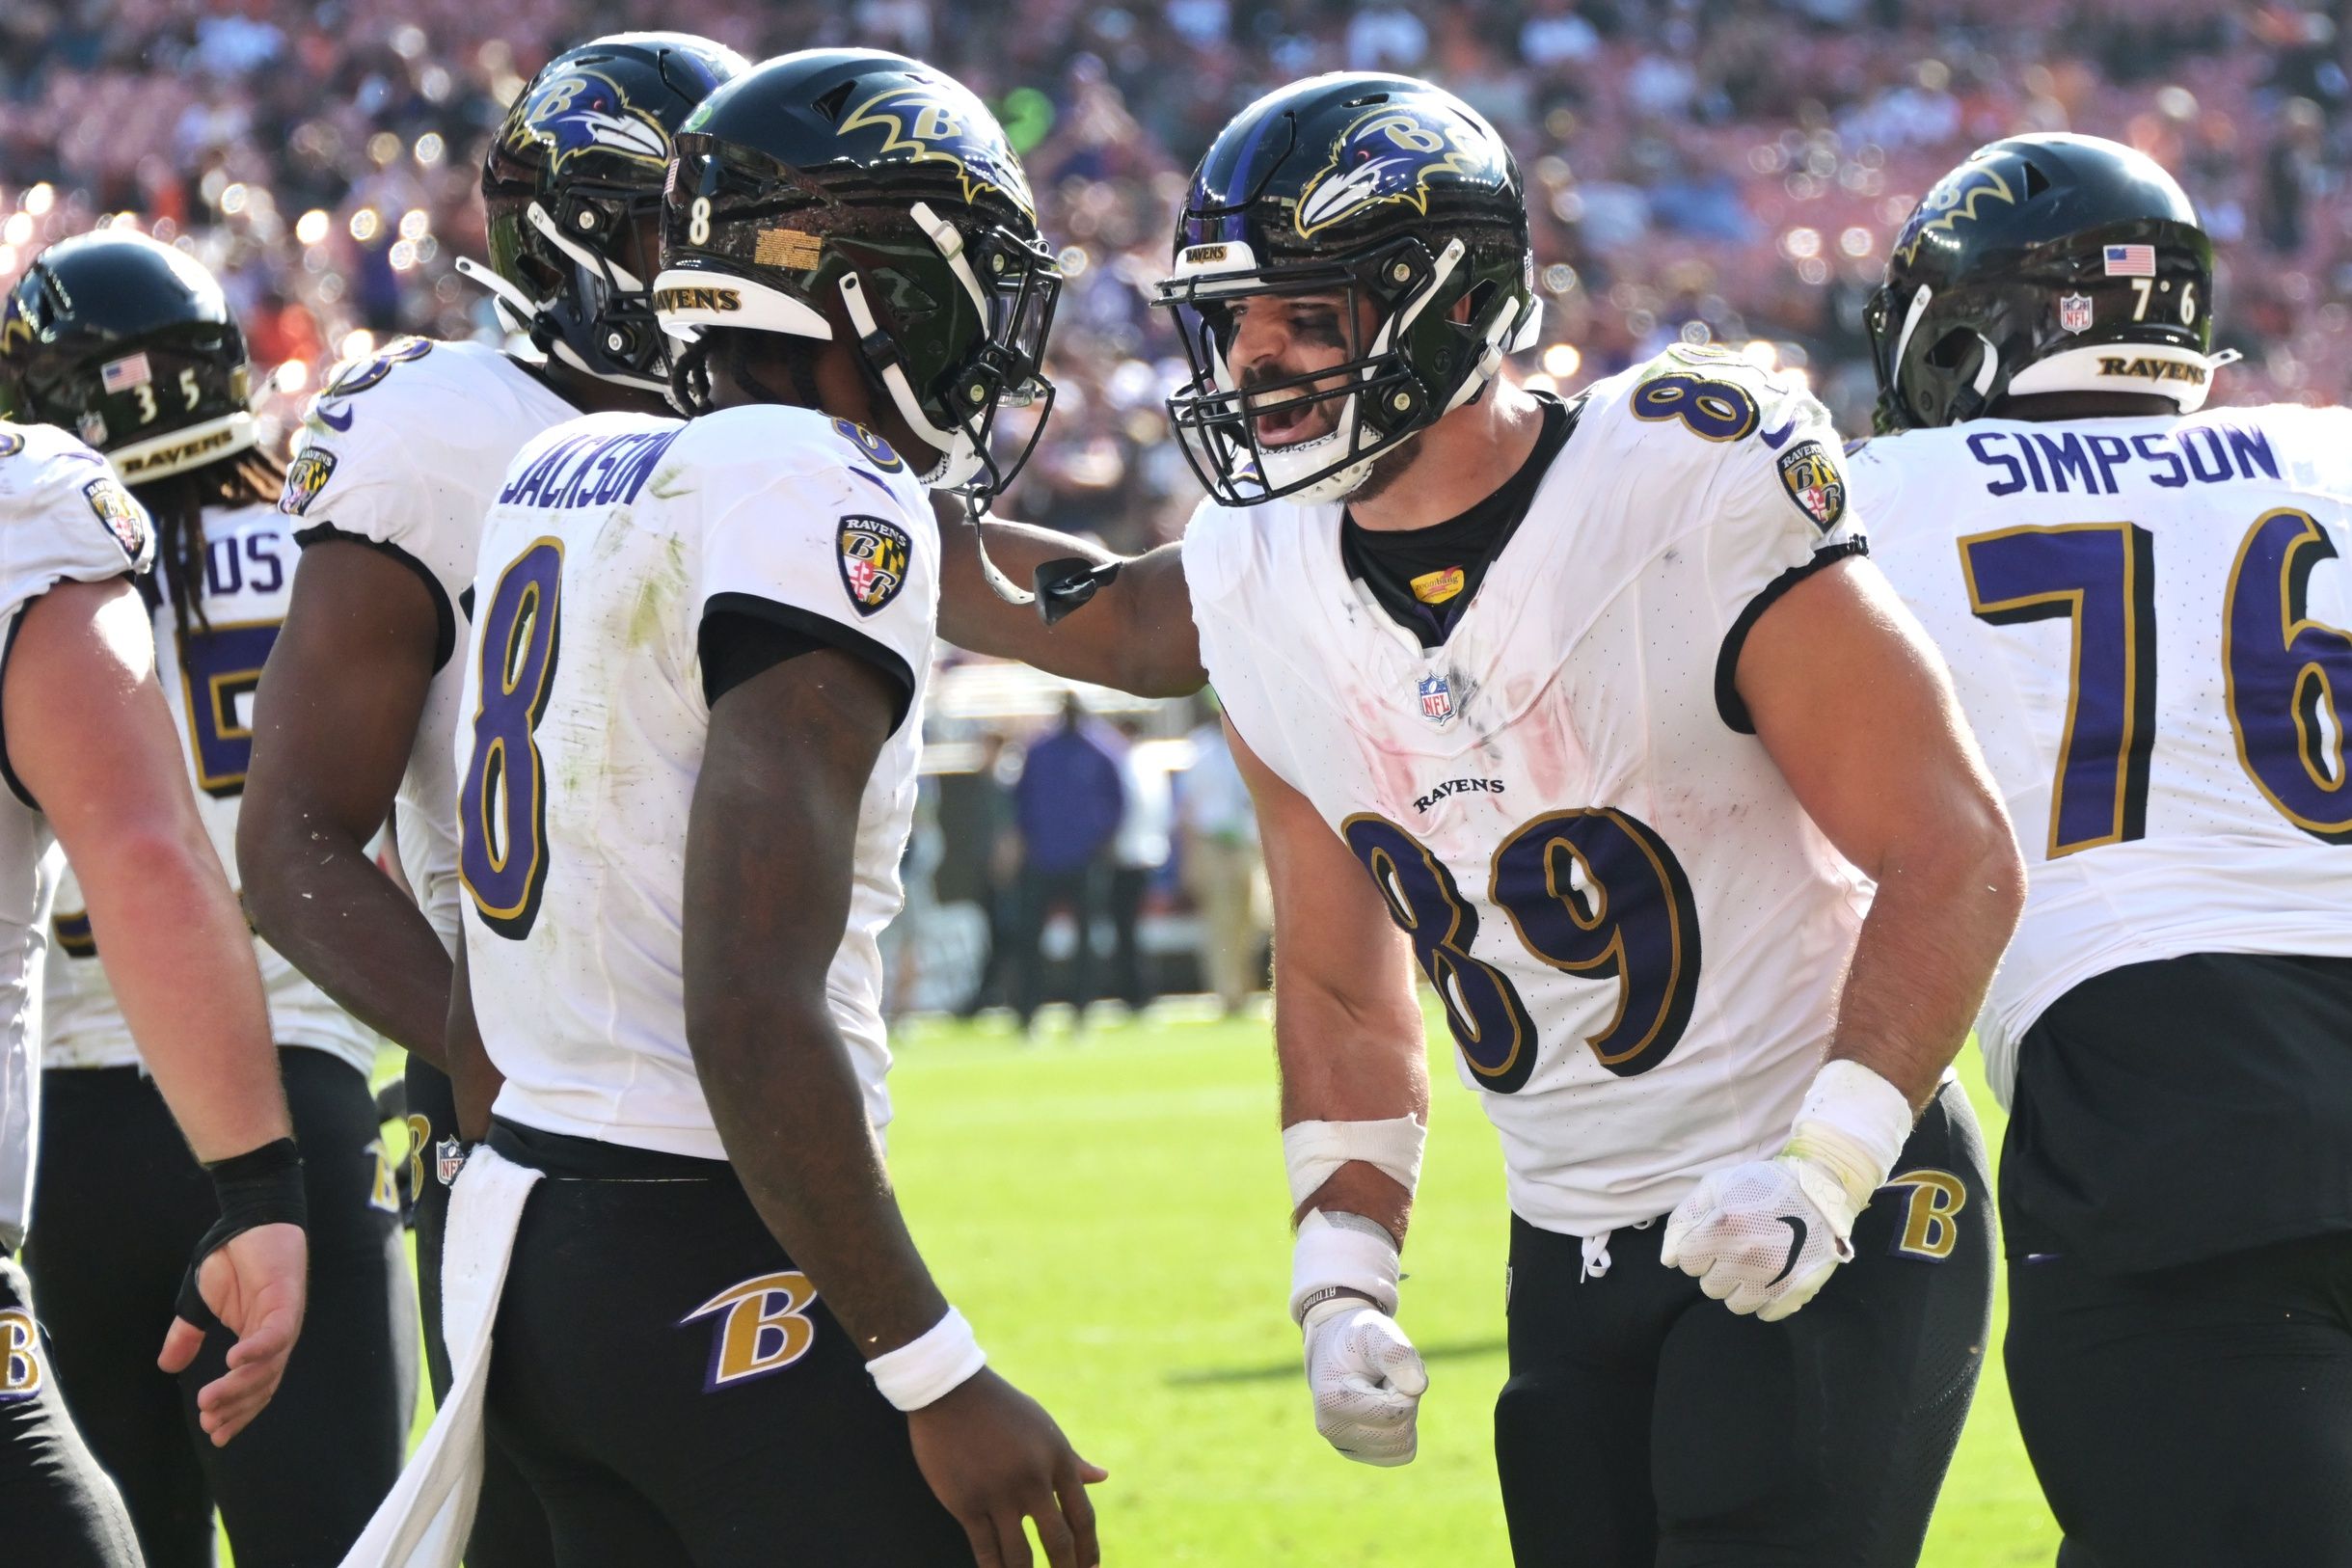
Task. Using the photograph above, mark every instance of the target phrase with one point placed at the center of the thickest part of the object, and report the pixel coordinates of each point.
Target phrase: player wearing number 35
(2144, 607)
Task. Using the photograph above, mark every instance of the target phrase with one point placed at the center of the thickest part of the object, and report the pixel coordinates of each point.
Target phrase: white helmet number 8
(698, 222)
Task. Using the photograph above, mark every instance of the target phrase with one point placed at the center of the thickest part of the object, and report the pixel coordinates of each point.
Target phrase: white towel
(425, 1520)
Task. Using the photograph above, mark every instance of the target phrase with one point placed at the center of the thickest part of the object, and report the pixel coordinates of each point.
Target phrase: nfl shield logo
(1436, 699)
(2074, 312)
(448, 1158)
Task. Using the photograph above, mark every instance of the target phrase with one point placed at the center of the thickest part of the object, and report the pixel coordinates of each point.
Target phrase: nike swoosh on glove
(1762, 1237)
(1367, 1381)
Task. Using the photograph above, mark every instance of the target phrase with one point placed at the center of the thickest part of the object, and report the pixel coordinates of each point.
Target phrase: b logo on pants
(21, 1373)
(762, 1327)
(1934, 1200)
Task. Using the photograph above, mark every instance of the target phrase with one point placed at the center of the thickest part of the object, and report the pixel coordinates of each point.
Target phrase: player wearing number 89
(131, 344)
(1599, 703)
(687, 773)
(2146, 609)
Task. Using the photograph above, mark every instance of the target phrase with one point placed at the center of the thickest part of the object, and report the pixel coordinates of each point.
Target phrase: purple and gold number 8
(1717, 410)
(1597, 894)
(502, 805)
(1483, 1010)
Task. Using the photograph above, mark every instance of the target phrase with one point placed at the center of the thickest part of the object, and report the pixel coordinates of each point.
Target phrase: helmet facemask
(1409, 367)
(949, 318)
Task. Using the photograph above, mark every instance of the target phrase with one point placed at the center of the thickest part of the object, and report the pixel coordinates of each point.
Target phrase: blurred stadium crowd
(1721, 171)
(1712, 170)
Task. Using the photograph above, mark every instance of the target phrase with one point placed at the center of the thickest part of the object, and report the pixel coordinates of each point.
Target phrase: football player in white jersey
(89, 754)
(686, 783)
(1600, 705)
(402, 455)
(2147, 613)
(131, 342)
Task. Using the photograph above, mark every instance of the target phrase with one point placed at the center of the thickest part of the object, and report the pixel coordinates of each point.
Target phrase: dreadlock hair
(690, 375)
(176, 502)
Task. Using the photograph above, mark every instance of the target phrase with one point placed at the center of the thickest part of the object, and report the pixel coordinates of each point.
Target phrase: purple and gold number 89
(502, 804)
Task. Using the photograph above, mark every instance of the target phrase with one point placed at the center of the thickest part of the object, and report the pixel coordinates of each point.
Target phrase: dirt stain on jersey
(650, 618)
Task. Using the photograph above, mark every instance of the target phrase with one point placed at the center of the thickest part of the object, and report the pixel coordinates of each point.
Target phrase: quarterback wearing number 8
(1595, 715)
(2149, 614)
(687, 772)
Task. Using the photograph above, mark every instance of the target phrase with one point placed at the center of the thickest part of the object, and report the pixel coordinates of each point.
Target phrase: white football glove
(1763, 1238)
(1759, 1237)
(1367, 1378)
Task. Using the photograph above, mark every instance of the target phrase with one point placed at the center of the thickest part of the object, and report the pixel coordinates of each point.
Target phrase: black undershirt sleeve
(741, 637)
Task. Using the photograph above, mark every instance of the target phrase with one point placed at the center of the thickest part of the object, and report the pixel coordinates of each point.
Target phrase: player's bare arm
(1882, 760)
(334, 720)
(1355, 1070)
(1135, 634)
(767, 881)
(90, 736)
(473, 1078)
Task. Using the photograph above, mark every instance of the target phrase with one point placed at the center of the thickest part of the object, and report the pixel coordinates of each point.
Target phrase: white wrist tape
(1312, 1150)
(926, 1369)
(1852, 1127)
(1341, 1254)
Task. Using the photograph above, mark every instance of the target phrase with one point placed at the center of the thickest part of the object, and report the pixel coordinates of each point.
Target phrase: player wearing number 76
(1594, 713)
(2146, 609)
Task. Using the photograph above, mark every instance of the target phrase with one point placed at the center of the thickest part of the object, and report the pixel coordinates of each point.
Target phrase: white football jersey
(2146, 620)
(1638, 933)
(63, 518)
(405, 452)
(209, 672)
(613, 538)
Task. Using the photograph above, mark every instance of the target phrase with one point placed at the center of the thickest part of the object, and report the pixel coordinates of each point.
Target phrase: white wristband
(926, 1369)
(1311, 1150)
(1342, 1255)
(1853, 1124)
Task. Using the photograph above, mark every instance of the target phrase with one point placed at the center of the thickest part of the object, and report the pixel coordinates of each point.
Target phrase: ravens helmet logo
(1388, 155)
(586, 110)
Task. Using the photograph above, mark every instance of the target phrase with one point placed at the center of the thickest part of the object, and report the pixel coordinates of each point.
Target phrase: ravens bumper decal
(873, 554)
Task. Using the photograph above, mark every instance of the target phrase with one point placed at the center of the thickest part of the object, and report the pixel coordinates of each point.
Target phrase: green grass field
(1107, 1209)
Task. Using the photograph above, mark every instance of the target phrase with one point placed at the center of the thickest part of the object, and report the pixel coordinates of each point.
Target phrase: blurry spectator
(982, 864)
(1385, 35)
(1137, 854)
(1222, 872)
(1554, 35)
(2290, 172)
(1067, 804)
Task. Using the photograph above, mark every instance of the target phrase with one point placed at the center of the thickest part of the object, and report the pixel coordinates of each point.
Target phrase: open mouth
(1290, 422)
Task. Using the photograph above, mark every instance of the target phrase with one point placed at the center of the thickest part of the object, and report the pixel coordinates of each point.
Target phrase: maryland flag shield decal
(874, 558)
(1811, 477)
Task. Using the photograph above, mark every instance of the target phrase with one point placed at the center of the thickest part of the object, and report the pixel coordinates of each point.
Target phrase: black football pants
(2191, 1417)
(57, 1508)
(118, 1205)
(675, 1392)
(509, 1527)
(1646, 1426)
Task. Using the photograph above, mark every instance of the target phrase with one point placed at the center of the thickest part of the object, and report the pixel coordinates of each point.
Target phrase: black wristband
(262, 1186)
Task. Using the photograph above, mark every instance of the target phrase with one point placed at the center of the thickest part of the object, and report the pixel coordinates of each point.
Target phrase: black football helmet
(875, 184)
(2044, 264)
(130, 344)
(1380, 188)
(578, 160)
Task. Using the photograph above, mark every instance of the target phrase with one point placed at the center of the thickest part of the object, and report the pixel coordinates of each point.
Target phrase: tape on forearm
(1311, 1150)
(1851, 1126)
(930, 1366)
(1342, 1255)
